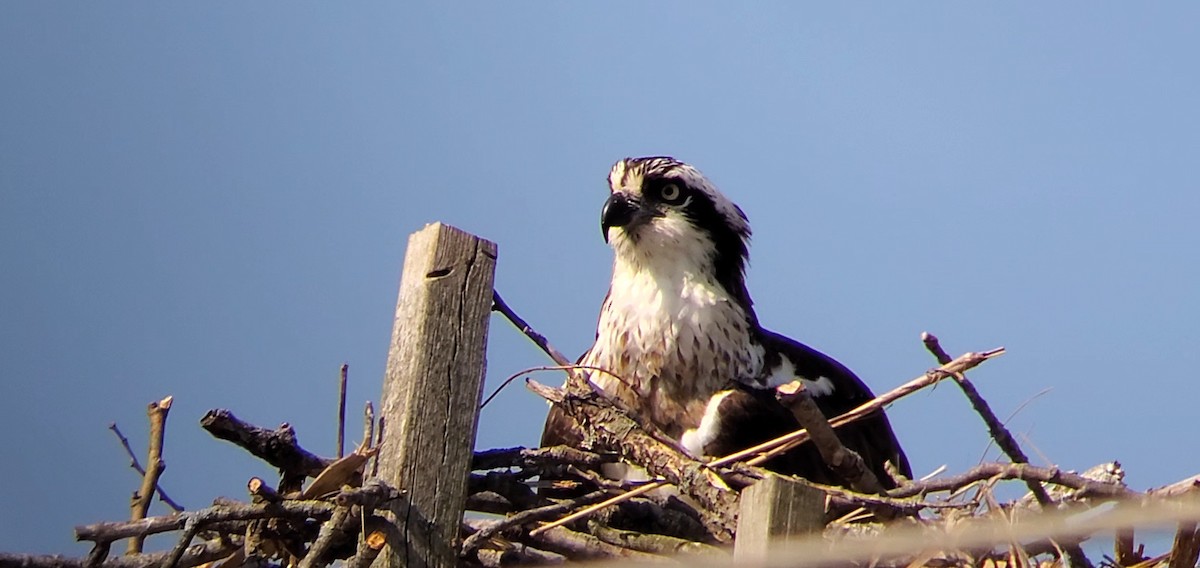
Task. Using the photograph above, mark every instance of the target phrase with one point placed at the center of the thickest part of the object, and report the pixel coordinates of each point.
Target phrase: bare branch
(609, 427)
(537, 457)
(193, 556)
(1003, 438)
(111, 531)
(1025, 472)
(341, 431)
(499, 305)
(530, 515)
(157, 412)
(845, 463)
(277, 447)
(137, 466)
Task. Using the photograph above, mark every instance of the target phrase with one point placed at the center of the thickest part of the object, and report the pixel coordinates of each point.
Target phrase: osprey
(680, 339)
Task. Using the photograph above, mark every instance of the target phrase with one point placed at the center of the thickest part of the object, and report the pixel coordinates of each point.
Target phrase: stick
(277, 447)
(845, 463)
(537, 457)
(613, 428)
(157, 412)
(598, 506)
(772, 448)
(474, 541)
(1023, 472)
(585, 545)
(190, 528)
(133, 463)
(111, 531)
(1003, 438)
(368, 424)
(193, 556)
(538, 339)
(1186, 548)
(341, 432)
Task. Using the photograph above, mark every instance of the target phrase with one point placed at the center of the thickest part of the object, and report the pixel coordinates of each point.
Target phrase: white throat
(674, 335)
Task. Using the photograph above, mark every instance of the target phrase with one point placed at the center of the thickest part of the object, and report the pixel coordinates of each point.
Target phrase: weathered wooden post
(773, 510)
(432, 388)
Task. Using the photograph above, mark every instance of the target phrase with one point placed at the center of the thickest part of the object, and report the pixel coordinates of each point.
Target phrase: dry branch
(582, 545)
(277, 447)
(844, 462)
(608, 427)
(1003, 438)
(654, 543)
(341, 420)
(157, 412)
(499, 305)
(137, 466)
(537, 457)
(527, 516)
(195, 555)
(1186, 548)
(111, 531)
(1024, 472)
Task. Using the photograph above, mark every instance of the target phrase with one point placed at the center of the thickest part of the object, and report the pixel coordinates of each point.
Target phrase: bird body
(679, 338)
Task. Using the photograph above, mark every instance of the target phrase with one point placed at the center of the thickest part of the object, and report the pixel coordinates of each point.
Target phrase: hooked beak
(621, 211)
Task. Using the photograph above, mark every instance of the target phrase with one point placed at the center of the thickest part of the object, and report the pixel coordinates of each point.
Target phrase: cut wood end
(790, 389)
(376, 540)
(162, 405)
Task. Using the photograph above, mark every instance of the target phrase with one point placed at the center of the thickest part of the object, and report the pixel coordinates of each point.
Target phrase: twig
(341, 432)
(1186, 548)
(190, 528)
(378, 443)
(537, 457)
(137, 466)
(508, 486)
(336, 529)
(512, 552)
(193, 556)
(844, 462)
(157, 412)
(1123, 547)
(586, 511)
(1024, 472)
(372, 495)
(654, 543)
(766, 450)
(111, 531)
(368, 423)
(277, 447)
(585, 545)
(499, 305)
(610, 427)
(1010, 417)
(474, 541)
(1003, 438)
(772, 448)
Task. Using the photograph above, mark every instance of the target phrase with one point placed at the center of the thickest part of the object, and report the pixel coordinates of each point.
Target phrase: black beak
(618, 212)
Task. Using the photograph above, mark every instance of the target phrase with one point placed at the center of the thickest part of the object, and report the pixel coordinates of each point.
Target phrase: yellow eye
(670, 193)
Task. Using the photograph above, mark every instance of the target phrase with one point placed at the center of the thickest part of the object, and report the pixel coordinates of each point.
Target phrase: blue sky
(212, 200)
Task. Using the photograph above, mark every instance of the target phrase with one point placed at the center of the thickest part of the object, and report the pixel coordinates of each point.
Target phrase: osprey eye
(670, 193)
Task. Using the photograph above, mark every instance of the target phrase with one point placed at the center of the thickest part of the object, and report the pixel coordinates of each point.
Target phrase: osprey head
(665, 212)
